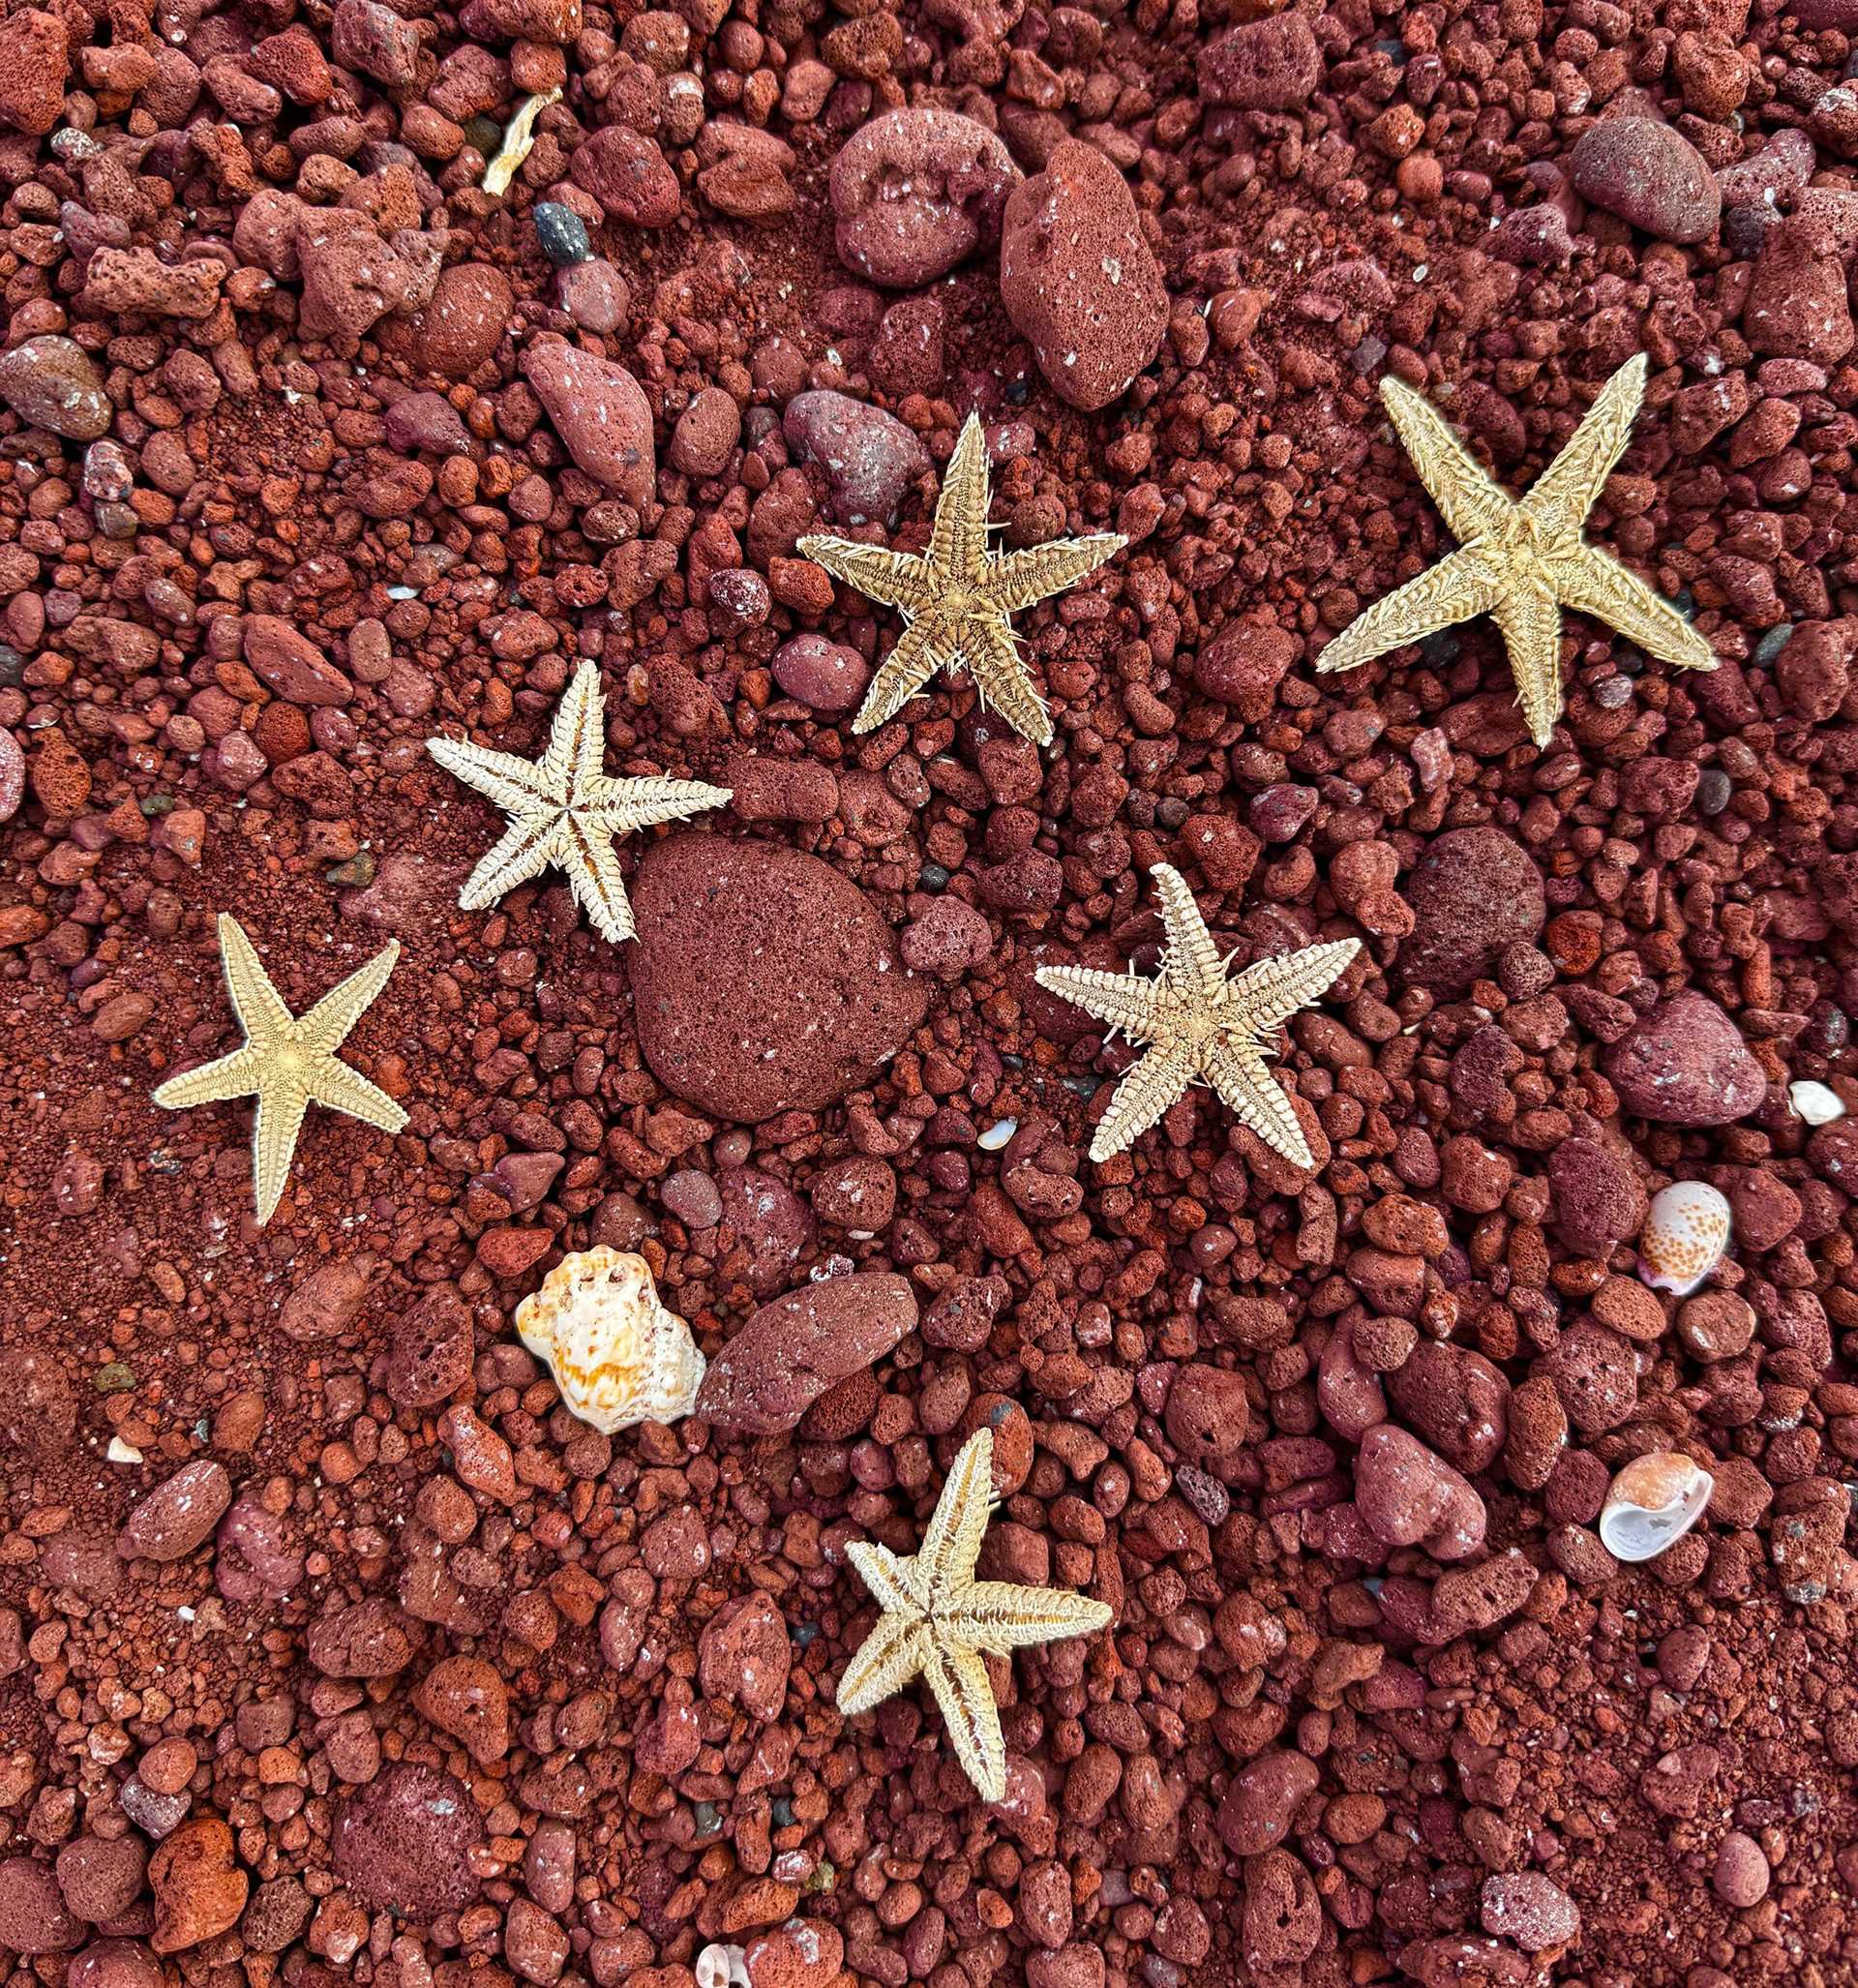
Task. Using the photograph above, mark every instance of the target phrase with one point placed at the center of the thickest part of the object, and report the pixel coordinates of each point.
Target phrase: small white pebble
(1816, 1103)
(120, 1452)
(997, 1135)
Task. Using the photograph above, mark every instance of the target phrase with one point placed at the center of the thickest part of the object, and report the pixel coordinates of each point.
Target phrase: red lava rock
(917, 191)
(1798, 306)
(1595, 1374)
(1686, 1063)
(35, 61)
(1408, 1496)
(701, 443)
(1078, 279)
(595, 296)
(859, 1194)
(328, 1300)
(764, 981)
(1456, 1399)
(1739, 1876)
(403, 1844)
(49, 382)
(1244, 663)
(464, 1697)
(792, 1350)
(113, 1964)
(949, 937)
(870, 458)
(824, 676)
(1263, 1802)
(291, 663)
(98, 1877)
(458, 329)
(1283, 1917)
(1647, 173)
(1598, 1198)
(601, 414)
(1207, 1415)
(366, 1639)
(1474, 893)
(429, 1357)
(1262, 65)
(253, 1559)
(178, 1515)
(626, 174)
(743, 1656)
(199, 1890)
(34, 1918)
(1529, 1908)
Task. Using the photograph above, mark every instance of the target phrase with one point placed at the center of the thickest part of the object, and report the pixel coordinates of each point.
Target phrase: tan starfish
(956, 596)
(939, 1620)
(1522, 563)
(287, 1062)
(564, 811)
(1204, 1028)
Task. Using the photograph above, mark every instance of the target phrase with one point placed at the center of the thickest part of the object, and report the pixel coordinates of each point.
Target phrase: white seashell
(722, 1966)
(617, 1354)
(997, 1134)
(1684, 1237)
(1654, 1500)
(1817, 1104)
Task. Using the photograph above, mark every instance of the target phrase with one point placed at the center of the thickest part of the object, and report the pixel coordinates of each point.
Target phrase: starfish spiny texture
(287, 1062)
(955, 597)
(1203, 1027)
(564, 811)
(939, 1621)
(1522, 563)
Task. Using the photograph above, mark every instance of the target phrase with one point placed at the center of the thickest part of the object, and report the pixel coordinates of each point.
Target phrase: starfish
(286, 1062)
(1204, 1026)
(939, 1620)
(956, 596)
(564, 811)
(1522, 563)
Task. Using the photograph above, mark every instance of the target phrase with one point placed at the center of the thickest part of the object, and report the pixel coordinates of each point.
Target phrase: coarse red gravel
(331, 1646)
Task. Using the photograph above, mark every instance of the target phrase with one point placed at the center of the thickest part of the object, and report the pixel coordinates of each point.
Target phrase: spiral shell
(1653, 1501)
(617, 1354)
(1684, 1237)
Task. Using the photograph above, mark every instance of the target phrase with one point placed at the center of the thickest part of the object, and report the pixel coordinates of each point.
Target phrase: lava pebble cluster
(332, 1647)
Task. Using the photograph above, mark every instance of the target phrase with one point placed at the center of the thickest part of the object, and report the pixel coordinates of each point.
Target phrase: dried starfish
(1204, 1026)
(956, 596)
(564, 811)
(939, 1620)
(1522, 563)
(287, 1062)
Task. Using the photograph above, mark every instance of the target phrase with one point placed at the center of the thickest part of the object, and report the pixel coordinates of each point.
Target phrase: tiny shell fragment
(1653, 1501)
(617, 1354)
(517, 142)
(1818, 1105)
(1685, 1235)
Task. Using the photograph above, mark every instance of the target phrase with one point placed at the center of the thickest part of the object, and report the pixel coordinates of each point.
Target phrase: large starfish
(1203, 1027)
(564, 811)
(939, 1620)
(287, 1062)
(955, 597)
(1522, 563)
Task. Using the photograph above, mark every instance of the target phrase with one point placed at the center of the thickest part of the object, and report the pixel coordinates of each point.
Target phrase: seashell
(1653, 1501)
(617, 1354)
(721, 1965)
(1818, 1105)
(1684, 1237)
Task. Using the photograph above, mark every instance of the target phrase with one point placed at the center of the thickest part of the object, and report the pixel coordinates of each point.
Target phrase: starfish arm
(1124, 1001)
(964, 1695)
(327, 1024)
(1265, 995)
(1570, 486)
(212, 1083)
(1192, 960)
(515, 785)
(332, 1084)
(1236, 1070)
(257, 1003)
(1001, 676)
(592, 869)
(998, 1616)
(1470, 504)
(958, 539)
(525, 848)
(887, 1660)
(1159, 1080)
(894, 580)
(1461, 585)
(1016, 580)
(904, 672)
(274, 1140)
(577, 735)
(628, 806)
(951, 1547)
(1595, 584)
(890, 1580)
(1531, 623)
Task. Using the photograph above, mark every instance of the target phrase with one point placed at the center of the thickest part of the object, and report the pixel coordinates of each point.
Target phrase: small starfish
(287, 1062)
(564, 811)
(956, 596)
(1205, 1028)
(1522, 563)
(938, 1620)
